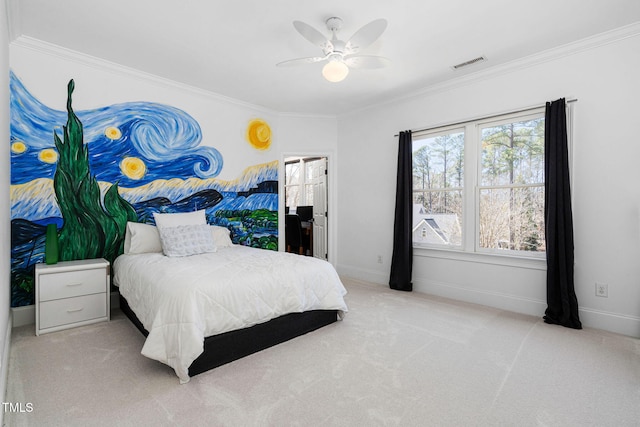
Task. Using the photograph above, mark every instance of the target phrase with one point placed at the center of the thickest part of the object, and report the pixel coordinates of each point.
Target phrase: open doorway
(306, 204)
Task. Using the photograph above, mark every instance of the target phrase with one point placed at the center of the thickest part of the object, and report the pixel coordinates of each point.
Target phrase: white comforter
(180, 301)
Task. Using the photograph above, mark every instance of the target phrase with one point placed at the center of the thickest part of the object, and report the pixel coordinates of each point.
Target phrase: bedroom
(599, 71)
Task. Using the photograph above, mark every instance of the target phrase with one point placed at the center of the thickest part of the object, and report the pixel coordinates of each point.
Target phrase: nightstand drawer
(72, 310)
(71, 284)
(71, 293)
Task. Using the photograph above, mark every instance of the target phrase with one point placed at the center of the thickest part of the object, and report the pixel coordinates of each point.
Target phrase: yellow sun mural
(18, 147)
(48, 155)
(133, 167)
(112, 133)
(259, 134)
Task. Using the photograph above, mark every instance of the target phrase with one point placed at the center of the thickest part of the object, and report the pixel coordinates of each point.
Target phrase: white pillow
(175, 219)
(185, 240)
(221, 236)
(141, 238)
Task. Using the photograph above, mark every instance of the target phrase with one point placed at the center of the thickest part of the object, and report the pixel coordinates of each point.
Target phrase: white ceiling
(231, 47)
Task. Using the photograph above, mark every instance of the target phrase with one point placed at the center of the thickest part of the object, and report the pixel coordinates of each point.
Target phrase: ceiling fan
(340, 55)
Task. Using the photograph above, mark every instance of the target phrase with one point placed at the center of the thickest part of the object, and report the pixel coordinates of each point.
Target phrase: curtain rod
(568, 101)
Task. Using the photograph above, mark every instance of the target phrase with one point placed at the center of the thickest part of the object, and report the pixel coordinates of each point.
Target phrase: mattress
(182, 300)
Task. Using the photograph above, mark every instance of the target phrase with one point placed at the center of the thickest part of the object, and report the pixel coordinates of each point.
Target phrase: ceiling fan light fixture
(335, 71)
(339, 55)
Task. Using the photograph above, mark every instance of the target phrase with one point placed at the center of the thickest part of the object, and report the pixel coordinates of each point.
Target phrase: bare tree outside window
(292, 184)
(511, 190)
(500, 160)
(438, 177)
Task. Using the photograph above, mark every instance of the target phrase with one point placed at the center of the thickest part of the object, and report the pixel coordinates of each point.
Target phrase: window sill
(535, 263)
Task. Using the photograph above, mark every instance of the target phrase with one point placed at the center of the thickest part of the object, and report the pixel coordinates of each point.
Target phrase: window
(479, 187)
(438, 177)
(292, 184)
(299, 182)
(511, 185)
(308, 185)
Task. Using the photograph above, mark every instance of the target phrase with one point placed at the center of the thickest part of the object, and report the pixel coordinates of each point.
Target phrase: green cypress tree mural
(92, 228)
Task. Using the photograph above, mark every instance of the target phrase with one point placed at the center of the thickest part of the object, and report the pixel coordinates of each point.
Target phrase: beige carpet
(398, 359)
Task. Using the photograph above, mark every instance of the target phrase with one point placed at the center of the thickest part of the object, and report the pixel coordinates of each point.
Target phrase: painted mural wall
(89, 171)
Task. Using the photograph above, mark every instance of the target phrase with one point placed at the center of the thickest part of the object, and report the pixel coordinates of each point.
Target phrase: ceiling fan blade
(301, 61)
(313, 35)
(366, 35)
(366, 61)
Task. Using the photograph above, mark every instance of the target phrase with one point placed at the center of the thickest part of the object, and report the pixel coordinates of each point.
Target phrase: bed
(205, 309)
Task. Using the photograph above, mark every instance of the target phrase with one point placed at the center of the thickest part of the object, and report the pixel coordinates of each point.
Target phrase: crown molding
(573, 48)
(60, 52)
(589, 43)
(57, 51)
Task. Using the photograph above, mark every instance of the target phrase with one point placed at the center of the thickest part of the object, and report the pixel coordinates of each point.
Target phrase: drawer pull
(76, 310)
(74, 284)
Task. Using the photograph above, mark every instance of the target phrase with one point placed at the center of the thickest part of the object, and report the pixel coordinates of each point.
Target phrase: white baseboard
(612, 322)
(25, 315)
(493, 299)
(590, 318)
(361, 274)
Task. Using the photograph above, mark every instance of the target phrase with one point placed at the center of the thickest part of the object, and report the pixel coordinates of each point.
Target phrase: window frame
(298, 185)
(304, 185)
(470, 249)
(496, 121)
(434, 133)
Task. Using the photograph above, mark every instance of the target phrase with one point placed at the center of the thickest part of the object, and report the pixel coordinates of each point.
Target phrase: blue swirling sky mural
(160, 140)
(152, 152)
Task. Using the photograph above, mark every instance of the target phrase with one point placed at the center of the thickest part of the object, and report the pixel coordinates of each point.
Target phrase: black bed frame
(229, 346)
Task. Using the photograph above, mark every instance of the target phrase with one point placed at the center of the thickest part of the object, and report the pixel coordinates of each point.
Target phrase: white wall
(602, 73)
(5, 214)
(311, 136)
(307, 134)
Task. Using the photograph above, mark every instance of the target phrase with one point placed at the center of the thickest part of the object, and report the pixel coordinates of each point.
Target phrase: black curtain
(562, 304)
(402, 258)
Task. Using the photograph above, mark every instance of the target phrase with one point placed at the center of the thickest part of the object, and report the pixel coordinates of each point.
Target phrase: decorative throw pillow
(175, 219)
(221, 236)
(141, 238)
(185, 240)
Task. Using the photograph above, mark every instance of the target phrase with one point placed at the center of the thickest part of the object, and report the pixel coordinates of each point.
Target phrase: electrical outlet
(602, 290)
(379, 259)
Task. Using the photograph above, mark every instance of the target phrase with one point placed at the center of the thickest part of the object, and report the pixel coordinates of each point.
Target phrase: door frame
(332, 214)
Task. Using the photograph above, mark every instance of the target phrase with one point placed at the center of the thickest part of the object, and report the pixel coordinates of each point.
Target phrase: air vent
(469, 62)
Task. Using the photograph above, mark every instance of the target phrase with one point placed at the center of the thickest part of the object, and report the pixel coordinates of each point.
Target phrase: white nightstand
(71, 293)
